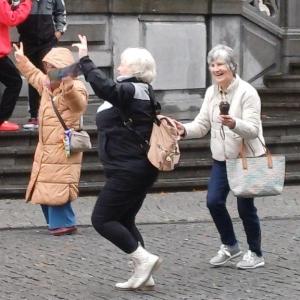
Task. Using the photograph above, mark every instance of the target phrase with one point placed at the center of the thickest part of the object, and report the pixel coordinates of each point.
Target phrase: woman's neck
(224, 86)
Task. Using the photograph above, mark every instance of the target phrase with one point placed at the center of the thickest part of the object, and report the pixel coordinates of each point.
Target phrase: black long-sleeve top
(118, 147)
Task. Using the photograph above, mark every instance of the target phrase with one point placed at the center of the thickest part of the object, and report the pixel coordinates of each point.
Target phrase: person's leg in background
(218, 189)
(10, 77)
(60, 219)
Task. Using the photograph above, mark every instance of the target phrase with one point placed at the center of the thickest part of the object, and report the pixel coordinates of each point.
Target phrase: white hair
(225, 53)
(140, 62)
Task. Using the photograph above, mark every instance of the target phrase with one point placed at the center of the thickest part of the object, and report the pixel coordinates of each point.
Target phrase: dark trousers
(10, 77)
(118, 204)
(218, 189)
(36, 58)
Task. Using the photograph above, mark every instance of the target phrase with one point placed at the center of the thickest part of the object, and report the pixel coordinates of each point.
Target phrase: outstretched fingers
(18, 48)
(82, 46)
(19, 52)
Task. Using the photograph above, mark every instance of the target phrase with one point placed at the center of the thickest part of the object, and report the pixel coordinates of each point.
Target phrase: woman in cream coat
(227, 131)
(55, 177)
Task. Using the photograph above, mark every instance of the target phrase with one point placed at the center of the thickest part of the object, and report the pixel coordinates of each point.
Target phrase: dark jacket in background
(46, 17)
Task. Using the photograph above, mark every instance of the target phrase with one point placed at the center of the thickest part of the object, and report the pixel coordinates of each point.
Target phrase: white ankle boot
(144, 264)
(127, 285)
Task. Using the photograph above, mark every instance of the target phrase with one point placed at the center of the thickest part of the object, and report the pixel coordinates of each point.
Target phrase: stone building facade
(180, 32)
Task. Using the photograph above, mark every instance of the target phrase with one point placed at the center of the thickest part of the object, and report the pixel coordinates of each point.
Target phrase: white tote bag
(250, 177)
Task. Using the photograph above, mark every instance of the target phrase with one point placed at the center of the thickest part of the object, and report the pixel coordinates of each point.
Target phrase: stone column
(290, 23)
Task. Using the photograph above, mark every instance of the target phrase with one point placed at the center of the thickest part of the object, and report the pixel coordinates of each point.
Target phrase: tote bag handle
(244, 158)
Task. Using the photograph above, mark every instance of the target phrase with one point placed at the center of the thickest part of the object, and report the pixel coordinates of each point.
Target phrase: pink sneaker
(32, 123)
(9, 126)
(63, 231)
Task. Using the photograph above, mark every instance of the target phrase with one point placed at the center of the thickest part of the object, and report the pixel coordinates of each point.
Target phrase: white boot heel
(126, 286)
(144, 264)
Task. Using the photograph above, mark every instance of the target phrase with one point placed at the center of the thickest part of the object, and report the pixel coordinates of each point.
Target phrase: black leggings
(117, 206)
(36, 58)
(10, 77)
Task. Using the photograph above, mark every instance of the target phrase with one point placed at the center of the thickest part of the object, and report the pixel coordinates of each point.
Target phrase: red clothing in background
(10, 18)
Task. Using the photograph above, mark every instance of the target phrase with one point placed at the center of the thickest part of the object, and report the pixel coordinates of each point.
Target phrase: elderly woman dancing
(231, 112)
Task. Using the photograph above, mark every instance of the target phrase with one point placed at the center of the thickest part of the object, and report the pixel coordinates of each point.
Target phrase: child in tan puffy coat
(55, 177)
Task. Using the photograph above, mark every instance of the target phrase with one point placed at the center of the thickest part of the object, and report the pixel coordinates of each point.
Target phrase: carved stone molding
(267, 7)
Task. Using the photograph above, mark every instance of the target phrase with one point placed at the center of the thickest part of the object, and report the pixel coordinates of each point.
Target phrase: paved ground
(176, 226)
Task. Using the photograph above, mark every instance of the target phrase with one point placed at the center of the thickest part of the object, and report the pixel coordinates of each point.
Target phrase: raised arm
(104, 87)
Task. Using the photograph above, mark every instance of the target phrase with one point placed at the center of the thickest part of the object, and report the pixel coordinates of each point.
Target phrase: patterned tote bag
(256, 176)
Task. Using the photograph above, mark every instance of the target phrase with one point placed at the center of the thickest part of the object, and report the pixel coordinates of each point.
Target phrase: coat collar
(128, 79)
(231, 88)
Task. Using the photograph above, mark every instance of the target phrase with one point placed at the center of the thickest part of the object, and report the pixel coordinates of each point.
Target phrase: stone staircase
(281, 124)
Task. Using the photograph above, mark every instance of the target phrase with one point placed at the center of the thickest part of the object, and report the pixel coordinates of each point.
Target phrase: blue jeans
(59, 216)
(218, 189)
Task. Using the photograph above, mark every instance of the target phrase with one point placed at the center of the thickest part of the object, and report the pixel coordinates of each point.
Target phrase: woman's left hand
(82, 46)
(227, 120)
(19, 52)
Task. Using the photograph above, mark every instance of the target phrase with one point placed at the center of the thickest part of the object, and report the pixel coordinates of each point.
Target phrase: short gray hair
(140, 62)
(225, 53)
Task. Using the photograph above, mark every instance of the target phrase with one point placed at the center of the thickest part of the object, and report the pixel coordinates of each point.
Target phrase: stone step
(162, 185)
(281, 107)
(12, 156)
(93, 172)
(272, 125)
(21, 115)
(273, 101)
(279, 94)
(282, 81)
(27, 138)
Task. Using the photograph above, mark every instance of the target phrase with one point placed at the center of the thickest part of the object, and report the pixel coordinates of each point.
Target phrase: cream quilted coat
(54, 177)
(245, 107)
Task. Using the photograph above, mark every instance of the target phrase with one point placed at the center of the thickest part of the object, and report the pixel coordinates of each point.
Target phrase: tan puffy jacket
(54, 177)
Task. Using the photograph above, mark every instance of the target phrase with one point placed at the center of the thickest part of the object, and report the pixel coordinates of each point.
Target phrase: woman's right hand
(180, 128)
(82, 46)
(19, 52)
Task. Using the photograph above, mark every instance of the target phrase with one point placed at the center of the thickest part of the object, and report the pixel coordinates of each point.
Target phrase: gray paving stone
(163, 207)
(177, 226)
(85, 266)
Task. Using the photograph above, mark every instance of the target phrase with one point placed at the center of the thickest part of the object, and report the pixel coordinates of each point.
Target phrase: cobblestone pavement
(85, 266)
(36, 266)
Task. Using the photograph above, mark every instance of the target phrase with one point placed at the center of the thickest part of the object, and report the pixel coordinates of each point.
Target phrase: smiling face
(221, 73)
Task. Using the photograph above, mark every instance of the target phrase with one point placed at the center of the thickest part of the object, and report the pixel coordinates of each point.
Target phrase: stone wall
(179, 34)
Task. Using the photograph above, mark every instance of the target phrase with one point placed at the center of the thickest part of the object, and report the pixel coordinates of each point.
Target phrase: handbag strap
(128, 122)
(58, 115)
(244, 158)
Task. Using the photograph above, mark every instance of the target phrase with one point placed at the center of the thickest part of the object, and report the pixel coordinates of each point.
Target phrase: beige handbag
(164, 151)
(250, 177)
(79, 141)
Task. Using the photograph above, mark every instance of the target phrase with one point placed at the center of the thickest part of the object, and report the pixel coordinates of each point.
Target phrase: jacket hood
(59, 57)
